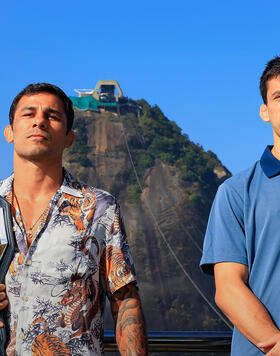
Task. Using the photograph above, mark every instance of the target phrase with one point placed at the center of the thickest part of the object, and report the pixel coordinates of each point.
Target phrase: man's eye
(27, 114)
(53, 117)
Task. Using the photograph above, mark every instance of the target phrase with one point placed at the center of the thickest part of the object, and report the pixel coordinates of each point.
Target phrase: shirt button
(29, 262)
(21, 336)
(14, 229)
(25, 298)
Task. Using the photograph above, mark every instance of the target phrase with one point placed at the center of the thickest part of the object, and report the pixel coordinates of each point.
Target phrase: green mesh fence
(89, 103)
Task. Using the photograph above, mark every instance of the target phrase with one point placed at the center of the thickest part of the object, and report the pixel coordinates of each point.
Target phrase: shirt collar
(270, 164)
(6, 185)
(68, 186)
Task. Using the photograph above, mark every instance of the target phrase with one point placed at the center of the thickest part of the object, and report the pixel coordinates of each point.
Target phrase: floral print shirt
(57, 287)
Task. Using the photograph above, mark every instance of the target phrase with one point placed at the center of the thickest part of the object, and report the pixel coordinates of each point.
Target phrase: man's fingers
(275, 351)
(270, 342)
(2, 296)
(4, 304)
(1, 324)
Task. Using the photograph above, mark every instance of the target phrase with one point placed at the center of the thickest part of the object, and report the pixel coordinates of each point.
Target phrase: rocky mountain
(165, 185)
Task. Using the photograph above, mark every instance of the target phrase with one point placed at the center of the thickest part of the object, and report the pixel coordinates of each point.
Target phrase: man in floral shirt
(71, 247)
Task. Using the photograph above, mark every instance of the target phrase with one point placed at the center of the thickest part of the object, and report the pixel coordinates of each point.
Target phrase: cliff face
(165, 197)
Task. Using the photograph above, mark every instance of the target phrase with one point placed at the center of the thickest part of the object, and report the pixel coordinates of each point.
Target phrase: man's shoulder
(224, 239)
(89, 191)
(97, 193)
(242, 179)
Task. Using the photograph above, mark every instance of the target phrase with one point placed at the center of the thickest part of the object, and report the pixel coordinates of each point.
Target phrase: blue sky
(200, 62)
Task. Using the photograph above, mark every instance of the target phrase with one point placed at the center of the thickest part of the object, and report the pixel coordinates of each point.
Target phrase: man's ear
(9, 134)
(70, 137)
(264, 113)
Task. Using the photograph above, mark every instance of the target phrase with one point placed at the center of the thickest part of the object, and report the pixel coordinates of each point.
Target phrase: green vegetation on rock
(163, 139)
(80, 149)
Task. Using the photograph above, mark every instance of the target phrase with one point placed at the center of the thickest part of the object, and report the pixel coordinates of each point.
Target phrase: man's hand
(128, 317)
(3, 300)
(242, 307)
(271, 347)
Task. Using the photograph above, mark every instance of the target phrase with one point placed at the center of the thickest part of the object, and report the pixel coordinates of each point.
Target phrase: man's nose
(40, 120)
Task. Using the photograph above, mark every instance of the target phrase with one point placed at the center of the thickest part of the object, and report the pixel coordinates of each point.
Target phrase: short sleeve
(117, 269)
(225, 235)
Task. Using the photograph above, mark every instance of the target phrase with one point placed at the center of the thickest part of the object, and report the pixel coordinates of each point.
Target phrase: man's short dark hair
(272, 70)
(33, 89)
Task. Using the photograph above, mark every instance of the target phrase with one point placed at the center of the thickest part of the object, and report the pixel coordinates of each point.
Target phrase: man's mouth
(38, 136)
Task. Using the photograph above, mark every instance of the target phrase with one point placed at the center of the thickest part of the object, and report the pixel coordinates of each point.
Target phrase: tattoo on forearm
(129, 320)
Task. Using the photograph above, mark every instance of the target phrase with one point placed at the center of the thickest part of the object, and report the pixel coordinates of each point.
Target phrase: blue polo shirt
(244, 227)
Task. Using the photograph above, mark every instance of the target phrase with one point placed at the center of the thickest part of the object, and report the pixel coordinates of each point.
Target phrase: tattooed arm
(129, 321)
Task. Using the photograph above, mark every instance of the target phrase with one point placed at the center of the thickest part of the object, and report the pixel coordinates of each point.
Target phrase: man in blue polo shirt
(242, 242)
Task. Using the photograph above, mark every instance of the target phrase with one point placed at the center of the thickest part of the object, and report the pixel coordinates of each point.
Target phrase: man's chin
(35, 155)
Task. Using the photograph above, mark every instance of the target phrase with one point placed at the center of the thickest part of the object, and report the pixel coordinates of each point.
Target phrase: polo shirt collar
(270, 164)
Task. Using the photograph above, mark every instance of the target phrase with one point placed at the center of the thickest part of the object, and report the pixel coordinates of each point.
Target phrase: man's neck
(33, 179)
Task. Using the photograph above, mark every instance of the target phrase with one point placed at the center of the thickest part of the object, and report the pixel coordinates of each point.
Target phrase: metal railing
(180, 341)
